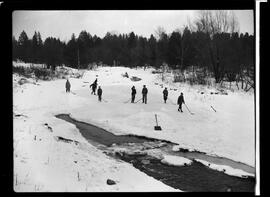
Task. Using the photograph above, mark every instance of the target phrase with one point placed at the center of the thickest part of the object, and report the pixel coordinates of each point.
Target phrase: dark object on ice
(111, 182)
(50, 128)
(134, 78)
(184, 150)
(144, 94)
(68, 86)
(180, 101)
(213, 109)
(22, 81)
(216, 92)
(133, 93)
(202, 92)
(157, 127)
(165, 95)
(125, 75)
(99, 92)
(19, 115)
(211, 93)
(59, 138)
(156, 72)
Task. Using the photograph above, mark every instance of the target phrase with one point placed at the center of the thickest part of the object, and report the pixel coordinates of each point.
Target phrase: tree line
(208, 42)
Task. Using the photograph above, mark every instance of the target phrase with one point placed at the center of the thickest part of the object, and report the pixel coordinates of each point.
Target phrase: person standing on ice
(144, 94)
(94, 87)
(180, 101)
(99, 92)
(133, 93)
(67, 86)
(165, 95)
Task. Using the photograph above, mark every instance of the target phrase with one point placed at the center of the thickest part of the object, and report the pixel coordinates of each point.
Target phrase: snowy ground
(41, 163)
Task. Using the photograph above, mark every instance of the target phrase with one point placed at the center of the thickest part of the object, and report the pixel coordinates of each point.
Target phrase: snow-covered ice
(226, 169)
(43, 164)
(175, 160)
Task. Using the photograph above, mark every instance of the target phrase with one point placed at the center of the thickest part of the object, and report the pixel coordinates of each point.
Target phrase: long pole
(188, 109)
(138, 100)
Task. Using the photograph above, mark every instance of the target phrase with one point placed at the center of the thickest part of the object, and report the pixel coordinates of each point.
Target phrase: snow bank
(226, 169)
(175, 160)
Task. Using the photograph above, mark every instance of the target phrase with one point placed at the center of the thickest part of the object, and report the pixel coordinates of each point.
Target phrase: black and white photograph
(151, 100)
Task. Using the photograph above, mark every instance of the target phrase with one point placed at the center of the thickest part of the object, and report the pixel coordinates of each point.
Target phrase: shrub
(42, 73)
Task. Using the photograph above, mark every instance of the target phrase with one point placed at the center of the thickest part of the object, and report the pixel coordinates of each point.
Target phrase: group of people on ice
(94, 85)
(99, 91)
(180, 99)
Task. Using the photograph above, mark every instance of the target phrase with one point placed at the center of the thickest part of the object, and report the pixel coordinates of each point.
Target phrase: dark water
(102, 136)
(194, 178)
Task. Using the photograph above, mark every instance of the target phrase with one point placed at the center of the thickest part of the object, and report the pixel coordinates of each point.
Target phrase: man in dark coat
(99, 92)
(67, 86)
(144, 94)
(94, 87)
(165, 95)
(180, 101)
(133, 93)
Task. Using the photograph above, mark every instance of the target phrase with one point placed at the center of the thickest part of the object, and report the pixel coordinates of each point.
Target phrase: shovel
(157, 127)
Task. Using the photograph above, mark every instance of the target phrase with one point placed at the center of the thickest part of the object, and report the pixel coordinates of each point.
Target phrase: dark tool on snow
(157, 127)
(138, 100)
(189, 110)
(213, 109)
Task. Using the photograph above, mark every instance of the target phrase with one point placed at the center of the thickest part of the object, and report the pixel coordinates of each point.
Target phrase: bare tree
(160, 32)
(214, 22)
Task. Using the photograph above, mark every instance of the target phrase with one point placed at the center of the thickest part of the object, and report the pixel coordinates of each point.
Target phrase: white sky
(61, 24)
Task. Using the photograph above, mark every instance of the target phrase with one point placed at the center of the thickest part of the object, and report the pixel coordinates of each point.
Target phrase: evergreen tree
(24, 47)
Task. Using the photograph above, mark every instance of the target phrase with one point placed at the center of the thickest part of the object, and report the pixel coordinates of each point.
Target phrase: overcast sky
(61, 24)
